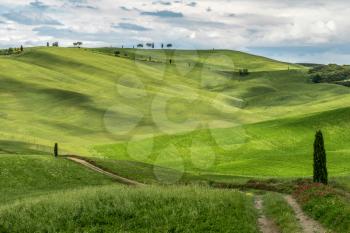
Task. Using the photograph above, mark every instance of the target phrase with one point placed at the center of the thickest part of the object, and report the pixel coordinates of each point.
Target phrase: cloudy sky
(291, 30)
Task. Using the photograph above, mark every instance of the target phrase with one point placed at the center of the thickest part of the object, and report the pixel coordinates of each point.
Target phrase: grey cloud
(165, 3)
(163, 14)
(30, 18)
(81, 4)
(86, 7)
(199, 24)
(192, 4)
(39, 5)
(131, 27)
(124, 8)
(259, 19)
(55, 32)
(66, 33)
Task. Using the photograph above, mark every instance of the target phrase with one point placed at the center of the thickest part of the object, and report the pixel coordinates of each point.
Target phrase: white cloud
(232, 24)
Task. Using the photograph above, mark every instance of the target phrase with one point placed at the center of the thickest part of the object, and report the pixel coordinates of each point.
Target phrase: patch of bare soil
(265, 225)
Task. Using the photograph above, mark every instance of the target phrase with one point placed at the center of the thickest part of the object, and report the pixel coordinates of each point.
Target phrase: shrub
(326, 205)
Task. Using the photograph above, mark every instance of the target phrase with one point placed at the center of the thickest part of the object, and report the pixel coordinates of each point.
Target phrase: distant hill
(215, 59)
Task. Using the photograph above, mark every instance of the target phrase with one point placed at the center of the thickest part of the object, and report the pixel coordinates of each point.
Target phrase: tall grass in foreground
(123, 209)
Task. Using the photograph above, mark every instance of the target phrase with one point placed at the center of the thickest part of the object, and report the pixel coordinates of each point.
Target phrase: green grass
(202, 119)
(277, 209)
(122, 209)
(144, 172)
(91, 98)
(193, 121)
(255, 150)
(151, 174)
(22, 177)
(224, 60)
(342, 182)
(326, 205)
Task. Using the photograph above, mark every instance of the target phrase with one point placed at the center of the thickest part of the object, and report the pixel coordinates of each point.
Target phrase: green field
(120, 209)
(24, 176)
(204, 119)
(191, 122)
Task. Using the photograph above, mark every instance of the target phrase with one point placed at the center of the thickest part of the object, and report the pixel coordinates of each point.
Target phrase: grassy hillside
(27, 176)
(278, 148)
(193, 120)
(224, 60)
(121, 209)
(196, 114)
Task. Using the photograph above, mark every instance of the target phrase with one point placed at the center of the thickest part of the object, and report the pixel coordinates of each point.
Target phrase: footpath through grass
(278, 210)
(24, 176)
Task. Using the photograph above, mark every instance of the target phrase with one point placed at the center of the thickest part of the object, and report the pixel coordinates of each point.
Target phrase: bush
(326, 205)
(243, 72)
(330, 74)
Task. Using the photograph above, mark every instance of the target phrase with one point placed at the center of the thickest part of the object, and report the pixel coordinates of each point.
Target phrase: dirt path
(309, 225)
(265, 224)
(99, 170)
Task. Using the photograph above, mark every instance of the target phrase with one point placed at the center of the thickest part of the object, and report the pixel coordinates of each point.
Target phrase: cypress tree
(320, 161)
(56, 150)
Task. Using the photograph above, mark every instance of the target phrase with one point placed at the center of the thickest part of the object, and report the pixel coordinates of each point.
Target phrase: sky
(314, 31)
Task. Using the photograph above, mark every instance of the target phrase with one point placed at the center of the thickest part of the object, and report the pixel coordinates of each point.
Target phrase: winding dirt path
(99, 170)
(309, 225)
(265, 224)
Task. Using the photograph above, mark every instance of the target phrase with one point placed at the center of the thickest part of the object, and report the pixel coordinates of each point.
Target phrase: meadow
(96, 104)
(176, 120)
(24, 176)
(120, 209)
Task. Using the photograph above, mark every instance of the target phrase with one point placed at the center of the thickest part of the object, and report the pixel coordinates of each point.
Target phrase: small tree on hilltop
(320, 161)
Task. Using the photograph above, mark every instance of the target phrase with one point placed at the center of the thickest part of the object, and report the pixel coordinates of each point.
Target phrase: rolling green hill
(162, 117)
(195, 114)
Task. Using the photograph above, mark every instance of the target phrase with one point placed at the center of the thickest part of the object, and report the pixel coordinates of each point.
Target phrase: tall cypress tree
(320, 161)
(56, 150)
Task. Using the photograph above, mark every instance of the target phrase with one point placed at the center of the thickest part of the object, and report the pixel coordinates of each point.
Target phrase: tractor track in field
(266, 225)
(95, 168)
(308, 224)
